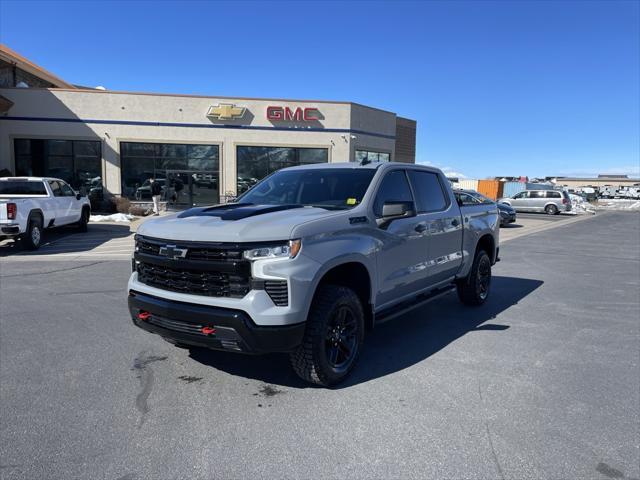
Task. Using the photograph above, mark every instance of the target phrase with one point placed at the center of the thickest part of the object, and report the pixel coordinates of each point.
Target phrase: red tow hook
(144, 316)
(208, 330)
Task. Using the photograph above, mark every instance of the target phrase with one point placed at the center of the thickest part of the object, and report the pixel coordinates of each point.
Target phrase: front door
(401, 261)
(185, 189)
(177, 190)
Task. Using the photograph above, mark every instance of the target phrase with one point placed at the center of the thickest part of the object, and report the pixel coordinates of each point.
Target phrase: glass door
(187, 188)
(177, 190)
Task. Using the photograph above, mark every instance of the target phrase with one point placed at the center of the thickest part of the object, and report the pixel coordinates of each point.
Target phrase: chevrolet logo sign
(225, 111)
(173, 253)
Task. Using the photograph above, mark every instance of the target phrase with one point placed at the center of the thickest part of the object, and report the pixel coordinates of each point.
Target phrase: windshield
(327, 188)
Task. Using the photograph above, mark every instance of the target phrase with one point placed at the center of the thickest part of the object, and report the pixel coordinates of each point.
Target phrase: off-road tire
(84, 220)
(33, 236)
(310, 360)
(551, 210)
(470, 291)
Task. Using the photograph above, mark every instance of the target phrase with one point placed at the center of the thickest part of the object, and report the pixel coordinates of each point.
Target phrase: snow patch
(116, 217)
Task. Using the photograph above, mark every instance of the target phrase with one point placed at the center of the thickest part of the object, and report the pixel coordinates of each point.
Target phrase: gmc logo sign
(286, 114)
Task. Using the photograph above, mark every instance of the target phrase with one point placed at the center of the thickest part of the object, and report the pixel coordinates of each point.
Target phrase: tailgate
(3, 211)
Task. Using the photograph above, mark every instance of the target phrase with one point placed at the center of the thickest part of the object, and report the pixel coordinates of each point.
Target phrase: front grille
(214, 271)
(277, 290)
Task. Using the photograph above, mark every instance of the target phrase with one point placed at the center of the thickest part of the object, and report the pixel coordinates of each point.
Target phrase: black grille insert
(209, 270)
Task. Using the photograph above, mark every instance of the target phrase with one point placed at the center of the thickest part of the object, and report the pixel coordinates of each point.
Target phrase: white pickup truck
(28, 205)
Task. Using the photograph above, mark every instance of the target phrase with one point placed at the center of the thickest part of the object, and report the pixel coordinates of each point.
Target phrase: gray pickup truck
(310, 259)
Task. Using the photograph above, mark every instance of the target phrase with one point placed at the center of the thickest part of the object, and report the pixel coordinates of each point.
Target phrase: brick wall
(405, 140)
(7, 77)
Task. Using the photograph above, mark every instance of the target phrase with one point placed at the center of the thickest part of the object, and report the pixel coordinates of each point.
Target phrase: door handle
(421, 227)
(455, 222)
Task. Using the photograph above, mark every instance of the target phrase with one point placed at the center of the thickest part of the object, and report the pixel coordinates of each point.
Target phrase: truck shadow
(67, 239)
(393, 346)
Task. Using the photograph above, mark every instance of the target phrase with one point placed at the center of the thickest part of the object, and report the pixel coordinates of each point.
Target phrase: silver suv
(548, 201)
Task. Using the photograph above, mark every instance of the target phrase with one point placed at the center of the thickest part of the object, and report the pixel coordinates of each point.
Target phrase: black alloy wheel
(340, 339)
(333, 336)
(483, 278)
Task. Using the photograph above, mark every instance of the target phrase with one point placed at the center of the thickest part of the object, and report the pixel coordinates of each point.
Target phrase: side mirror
(395, 210)
(78, 196)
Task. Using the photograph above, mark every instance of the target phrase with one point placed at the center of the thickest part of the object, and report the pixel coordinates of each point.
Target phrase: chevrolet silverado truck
(310, 259)
(28, 205)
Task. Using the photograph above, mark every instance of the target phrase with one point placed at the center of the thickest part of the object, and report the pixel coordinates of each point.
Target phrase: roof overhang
(22, 63)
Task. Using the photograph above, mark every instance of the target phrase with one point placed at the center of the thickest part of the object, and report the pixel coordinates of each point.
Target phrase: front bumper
(234, 330)
(506, 218)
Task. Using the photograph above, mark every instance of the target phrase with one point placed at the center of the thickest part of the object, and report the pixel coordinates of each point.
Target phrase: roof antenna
(365, 161)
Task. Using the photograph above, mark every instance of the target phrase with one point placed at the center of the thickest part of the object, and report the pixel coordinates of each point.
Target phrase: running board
(407, 306)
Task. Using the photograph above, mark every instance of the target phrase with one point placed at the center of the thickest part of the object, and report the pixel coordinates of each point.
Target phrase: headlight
(289, 249)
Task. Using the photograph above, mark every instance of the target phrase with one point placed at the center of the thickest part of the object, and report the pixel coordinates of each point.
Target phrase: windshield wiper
(329, 207)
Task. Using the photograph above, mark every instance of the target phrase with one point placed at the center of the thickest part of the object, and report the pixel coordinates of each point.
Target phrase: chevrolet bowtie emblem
(225, 111)
(173, 253)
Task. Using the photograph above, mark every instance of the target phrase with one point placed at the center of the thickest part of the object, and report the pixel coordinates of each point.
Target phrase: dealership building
(205, 147)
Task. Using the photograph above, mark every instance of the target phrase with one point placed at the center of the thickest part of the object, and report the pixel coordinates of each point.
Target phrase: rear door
(537, 200)
(402, 258)
(442, 218)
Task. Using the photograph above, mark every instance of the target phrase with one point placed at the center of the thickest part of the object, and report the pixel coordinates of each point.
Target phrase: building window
(77, 162)
(188, 173)
(372, 156)
(255, 163)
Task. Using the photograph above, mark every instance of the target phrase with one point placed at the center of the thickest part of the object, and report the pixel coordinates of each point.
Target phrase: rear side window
(428, 191)
(536, 194)
(394, 188)
(551, 194)
(19, 187)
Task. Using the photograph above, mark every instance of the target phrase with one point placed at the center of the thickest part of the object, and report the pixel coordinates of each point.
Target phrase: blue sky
(498, 88)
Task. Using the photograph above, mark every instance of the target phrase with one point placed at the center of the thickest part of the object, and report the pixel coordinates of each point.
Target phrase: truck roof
(27, 179)
(357, 165)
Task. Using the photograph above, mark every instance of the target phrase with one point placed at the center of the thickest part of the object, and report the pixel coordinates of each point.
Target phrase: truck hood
(233, 223)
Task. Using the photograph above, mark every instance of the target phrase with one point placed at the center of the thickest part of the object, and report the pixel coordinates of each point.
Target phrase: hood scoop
(235, 211)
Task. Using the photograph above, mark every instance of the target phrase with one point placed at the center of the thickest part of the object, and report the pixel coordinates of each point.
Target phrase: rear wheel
(33, 235)
(474, 290)
(333, 337)
(551, 210)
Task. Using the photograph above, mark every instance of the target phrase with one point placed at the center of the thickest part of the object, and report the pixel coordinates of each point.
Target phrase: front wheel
(84, 220)
(333, 337)
(474, 290)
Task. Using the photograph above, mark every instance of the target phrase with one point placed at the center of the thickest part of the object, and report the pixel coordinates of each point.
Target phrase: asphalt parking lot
(541, 382)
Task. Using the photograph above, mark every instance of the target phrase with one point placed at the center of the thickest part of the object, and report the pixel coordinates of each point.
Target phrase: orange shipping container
(490, 188)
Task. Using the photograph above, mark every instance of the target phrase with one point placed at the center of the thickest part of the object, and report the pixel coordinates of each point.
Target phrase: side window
(394, 188)
(429, 194)
(55, 187)
(522, 195)
(67, 191)
(552, 194)
(536, 194)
